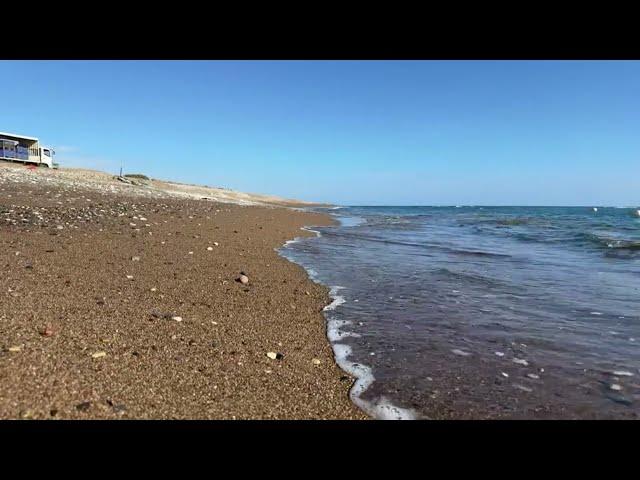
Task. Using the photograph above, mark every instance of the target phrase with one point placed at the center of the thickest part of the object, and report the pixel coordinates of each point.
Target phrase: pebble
(83, 407)
(274, 355)
(99, 354)
(506, 375)
(244, 279)
(153, 289)
(209, 248)
(135, 259)
(47, 331)
(315, 361)
(500, 354)
(190, 253)
(520, 361)
(60, 227)
(129, 277)
(615, 386)
(622, 373)
(216, 243)
(177, 319)
(15, 349)
(523, 388)
(533, 375)
(460, 352)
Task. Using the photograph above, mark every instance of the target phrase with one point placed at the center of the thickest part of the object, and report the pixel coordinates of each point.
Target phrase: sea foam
(380, 408)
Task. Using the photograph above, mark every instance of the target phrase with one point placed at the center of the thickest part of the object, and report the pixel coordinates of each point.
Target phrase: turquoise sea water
(484, 312)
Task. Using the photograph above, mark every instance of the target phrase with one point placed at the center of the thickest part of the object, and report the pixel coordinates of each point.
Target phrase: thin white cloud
(66, 149)
(92, 163)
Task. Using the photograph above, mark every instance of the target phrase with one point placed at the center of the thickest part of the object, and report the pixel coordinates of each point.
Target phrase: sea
(479, 312)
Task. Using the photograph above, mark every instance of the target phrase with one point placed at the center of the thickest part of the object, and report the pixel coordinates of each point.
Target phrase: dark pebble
(83, 407)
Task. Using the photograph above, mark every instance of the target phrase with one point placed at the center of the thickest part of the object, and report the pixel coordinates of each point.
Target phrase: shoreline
(181, 338)
(381, 408)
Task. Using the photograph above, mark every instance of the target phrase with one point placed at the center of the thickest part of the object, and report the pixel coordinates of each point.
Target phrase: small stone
(190, 253)
(500, 354)
(506, 375)
(60, 227)
(315, 361)
(132, 225)
(274, 355)
(615, 386)
(460, 352)
(47, 331)
(622, 373)
(533, 375)
(99, 354)
(153, 289)
(243, 279)
(135, 259)
(129, 277)
(523, 388)
(209, 248)
(520, 361)
(216, 243)
(83, 407)
(176, 318)
(15, 348)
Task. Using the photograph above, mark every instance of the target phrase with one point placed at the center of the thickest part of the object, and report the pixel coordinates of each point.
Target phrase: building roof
(15, 135)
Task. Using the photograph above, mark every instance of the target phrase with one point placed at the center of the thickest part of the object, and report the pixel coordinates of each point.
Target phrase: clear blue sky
(364, 132)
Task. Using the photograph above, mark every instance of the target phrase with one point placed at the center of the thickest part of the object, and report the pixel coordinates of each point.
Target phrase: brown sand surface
(79, 339)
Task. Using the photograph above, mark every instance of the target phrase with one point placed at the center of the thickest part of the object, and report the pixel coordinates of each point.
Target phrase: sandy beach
(123, 301)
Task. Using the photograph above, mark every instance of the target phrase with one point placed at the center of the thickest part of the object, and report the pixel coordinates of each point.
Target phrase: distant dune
(98, 180)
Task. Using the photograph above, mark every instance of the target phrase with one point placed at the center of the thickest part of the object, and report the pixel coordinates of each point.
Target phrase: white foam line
(381, 408)
(312, 231)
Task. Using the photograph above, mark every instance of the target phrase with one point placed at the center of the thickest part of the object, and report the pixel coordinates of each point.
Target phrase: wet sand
(120, 305)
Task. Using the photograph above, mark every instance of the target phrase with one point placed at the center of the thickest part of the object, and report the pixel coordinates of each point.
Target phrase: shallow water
(484, 312)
